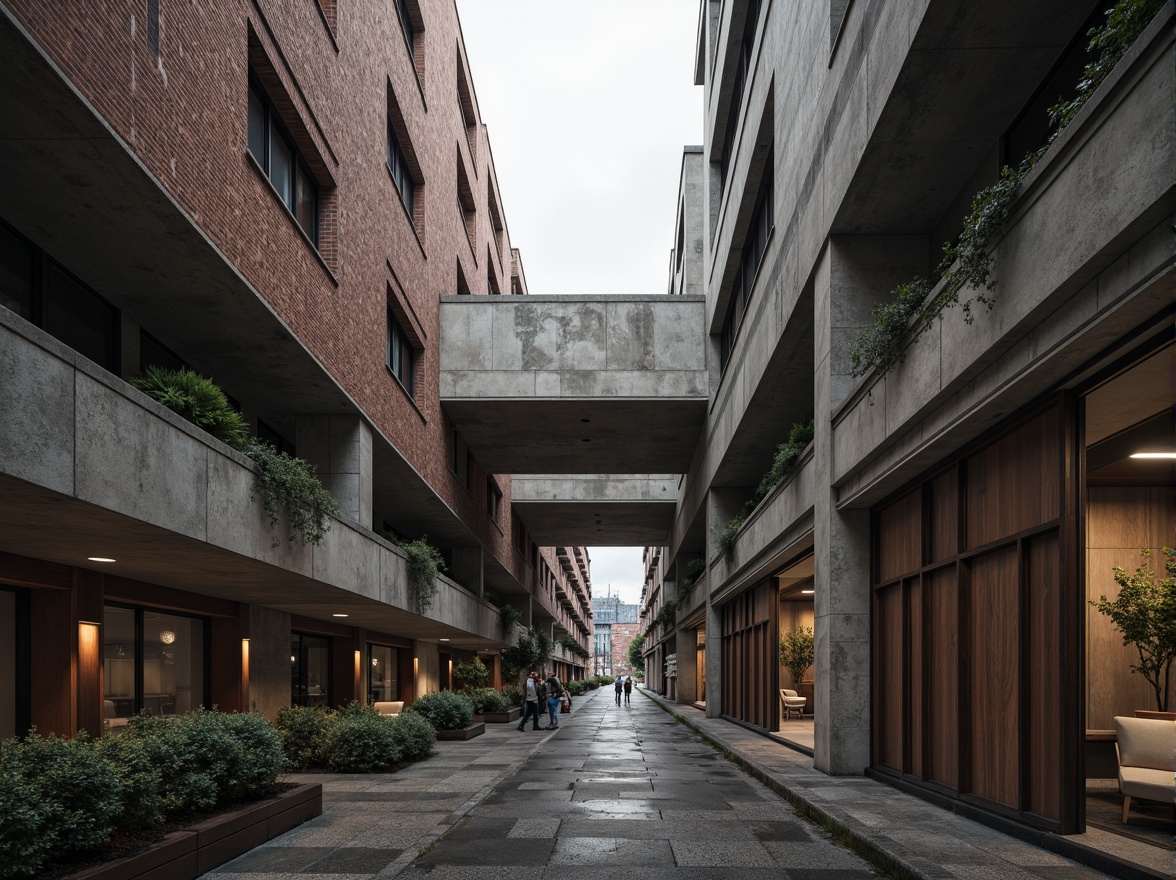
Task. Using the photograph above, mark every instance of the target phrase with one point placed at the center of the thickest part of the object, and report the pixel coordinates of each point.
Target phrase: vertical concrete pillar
(467, 567)
(686, 646)
(714, 656)
(427, 672)
(855, 272)
(340, 448)
(269, 660)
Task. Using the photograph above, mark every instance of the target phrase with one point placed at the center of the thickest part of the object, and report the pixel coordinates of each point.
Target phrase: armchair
(793, 702)
(1146, 748)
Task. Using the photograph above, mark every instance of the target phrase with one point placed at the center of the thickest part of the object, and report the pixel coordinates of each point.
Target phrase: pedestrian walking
(554, 694)
(531, 702)
(628, 688)
(617, 686)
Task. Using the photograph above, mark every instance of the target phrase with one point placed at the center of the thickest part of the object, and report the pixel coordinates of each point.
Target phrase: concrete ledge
(475, 729)
(185, 855)
(500, 717)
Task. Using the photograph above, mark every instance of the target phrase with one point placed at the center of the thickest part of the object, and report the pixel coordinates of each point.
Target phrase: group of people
(551, 693)
(623, 684)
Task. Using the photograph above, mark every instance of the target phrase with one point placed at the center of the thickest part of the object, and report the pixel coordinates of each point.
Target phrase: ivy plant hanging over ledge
(283, 482)
(424, 564)
(964, 276)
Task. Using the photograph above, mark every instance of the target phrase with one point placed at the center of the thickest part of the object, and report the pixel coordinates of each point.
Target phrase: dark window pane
(383, 670)
(405, 24)
(153, 354)
(400, 354)
(78, 318)
(305, 206)
(281, 167)
(173, 663)
(257, 126)
(16, 274)
(310, 670)
(120, 657)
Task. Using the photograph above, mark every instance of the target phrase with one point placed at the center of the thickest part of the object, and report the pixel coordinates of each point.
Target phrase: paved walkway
(908, 835)
(628, 792)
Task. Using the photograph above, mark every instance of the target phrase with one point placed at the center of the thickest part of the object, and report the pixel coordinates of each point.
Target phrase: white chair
(1146, 748)
(110, 716)
(793, 702)
(391, 708)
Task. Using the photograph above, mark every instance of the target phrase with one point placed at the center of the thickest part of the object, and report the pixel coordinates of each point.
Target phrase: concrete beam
(620, 511)
(556, 384)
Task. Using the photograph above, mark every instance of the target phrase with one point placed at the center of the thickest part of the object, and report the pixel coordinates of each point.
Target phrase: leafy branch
(424, 564)
(288, 483)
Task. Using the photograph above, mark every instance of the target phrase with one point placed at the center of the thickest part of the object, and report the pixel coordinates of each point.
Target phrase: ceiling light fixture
(443, 640)
(339, 615)
(808, 592)
(100, 559)
(1153, 455)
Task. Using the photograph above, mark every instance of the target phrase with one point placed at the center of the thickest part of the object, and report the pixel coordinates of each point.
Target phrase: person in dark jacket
(554, 693)
(617, 686)
(628, 688)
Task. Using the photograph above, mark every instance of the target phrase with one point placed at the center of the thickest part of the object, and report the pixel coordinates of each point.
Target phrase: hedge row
(60, 798)
(353, 740)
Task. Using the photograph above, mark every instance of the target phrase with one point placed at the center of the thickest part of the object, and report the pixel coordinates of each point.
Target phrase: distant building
(622, 635)
(609, 615)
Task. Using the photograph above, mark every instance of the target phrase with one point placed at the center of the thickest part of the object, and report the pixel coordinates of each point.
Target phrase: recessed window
(16, 274)
(400, 354)
(398, 167)
(153, 662)
(406, 26)
(740, 76)
(310, 670)
(754, 245)
(493, 499)
(272, 146)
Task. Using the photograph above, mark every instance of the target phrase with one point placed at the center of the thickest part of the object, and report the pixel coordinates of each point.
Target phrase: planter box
(500, 717)
(185, 855)
(475, 729)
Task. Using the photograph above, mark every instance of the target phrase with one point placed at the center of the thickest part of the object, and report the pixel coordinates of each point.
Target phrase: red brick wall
(184, 114)
(622, 635)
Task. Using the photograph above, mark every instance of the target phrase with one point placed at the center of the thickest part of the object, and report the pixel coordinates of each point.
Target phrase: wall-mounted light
(808, 592)
(339, 615)
(443, 640)
(100, 559)
(1153, 455)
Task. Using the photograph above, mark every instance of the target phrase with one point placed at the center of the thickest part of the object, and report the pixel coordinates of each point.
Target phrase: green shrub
(487, 700)
(445, 710)
(472, 673)
(287, 483)
(138, 767)
(303, 730)
(424, 564)
(414, 736)
(508, 618)
(513, 695)
(199, 400)
(360, 740)
(58, 797)
(262, 758)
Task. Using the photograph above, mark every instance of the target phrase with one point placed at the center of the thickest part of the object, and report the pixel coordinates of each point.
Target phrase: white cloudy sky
(588, 105)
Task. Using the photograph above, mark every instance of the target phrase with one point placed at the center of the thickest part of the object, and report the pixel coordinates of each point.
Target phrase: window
(754, 245)
(310, 670)
(398, 168)
(406, 26)
(274, 149)
(153, 353)
(493, 499)
(267, 434)
(681, 237)
(400, 354)
(15, 662)
(16, 274)
(383, 671)
(153, 662)
(741, 74)
(153, 25)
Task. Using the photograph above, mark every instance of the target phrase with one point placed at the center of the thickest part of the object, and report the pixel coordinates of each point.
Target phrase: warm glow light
(338, 615)
(101, 559)
(808, 592)
(444, 640)
(167, 637)
(1153, 455)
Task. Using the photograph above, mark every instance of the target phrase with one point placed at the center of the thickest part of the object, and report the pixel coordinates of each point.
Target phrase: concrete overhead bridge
(593, 402)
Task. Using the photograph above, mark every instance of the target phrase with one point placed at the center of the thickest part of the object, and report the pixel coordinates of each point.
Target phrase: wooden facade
(750, 665)
(977, 651)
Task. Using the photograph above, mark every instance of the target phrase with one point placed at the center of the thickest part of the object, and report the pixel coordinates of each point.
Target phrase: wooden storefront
(750, 666)
(977, 631)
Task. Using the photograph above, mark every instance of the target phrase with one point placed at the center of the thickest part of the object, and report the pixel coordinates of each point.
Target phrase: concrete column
(855, 272)
(714, 667)
(721, 505)
(340, 448)
(467, 568)
(269, 660)
(687, 649)
(428, 667)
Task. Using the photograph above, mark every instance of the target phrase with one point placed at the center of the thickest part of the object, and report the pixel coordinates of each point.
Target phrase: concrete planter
(475, 729)
(185, 855)
(500, 717)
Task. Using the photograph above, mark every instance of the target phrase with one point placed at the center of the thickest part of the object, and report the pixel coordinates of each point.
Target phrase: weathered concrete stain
(528, 327)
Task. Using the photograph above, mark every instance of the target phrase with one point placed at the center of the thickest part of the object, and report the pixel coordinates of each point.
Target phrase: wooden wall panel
(941, 596)
(751, 680)
(888, 677)
(52, 683)
(914, 700)
(1014, 484)
(1119, 523)
(993, 686)
(943, 513)
(1044, 770)
(900, 541)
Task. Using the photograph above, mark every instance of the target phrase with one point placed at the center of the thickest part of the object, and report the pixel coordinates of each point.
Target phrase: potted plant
(1145, 613)
(796, 652)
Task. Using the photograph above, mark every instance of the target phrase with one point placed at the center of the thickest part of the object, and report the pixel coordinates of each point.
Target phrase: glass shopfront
(383, 669)
(153, 662)
(310, 670)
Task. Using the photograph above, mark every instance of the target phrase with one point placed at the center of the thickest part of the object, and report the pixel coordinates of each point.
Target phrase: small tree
(1145, 613)
(472, 673)
(796, 652)
(636, 658)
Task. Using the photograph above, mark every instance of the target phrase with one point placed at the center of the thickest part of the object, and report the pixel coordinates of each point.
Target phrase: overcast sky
(588, 106)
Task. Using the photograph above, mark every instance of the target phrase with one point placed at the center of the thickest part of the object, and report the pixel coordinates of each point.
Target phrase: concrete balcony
(1087, 257)
(781, 525)
(98, 469)
(558, 384)
(622, 511)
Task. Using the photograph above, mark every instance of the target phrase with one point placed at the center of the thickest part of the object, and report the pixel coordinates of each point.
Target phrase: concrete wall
(269, 660)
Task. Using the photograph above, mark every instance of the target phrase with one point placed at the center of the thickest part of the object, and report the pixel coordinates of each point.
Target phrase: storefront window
(153, 662)
(310, 670)
(383, 663)
(14, 663)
